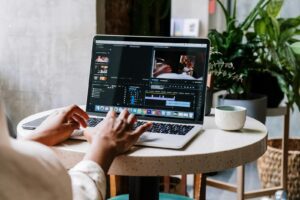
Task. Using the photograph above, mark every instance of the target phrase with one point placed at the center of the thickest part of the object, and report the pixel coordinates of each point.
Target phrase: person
(102, 58)
(161, 67)
(188, 62)
(176, 73)
(30, 170)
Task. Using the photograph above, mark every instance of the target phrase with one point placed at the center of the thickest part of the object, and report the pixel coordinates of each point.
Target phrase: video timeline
(165, 99)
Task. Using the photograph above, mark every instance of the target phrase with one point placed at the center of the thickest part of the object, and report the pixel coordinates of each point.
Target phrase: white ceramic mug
(230, 117)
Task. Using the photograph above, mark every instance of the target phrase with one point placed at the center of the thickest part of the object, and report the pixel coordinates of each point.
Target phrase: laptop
(159, 79)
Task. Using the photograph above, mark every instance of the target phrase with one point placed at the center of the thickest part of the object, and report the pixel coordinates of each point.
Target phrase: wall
(192, 9)
(45, 48)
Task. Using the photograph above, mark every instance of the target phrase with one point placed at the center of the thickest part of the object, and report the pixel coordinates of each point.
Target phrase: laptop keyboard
(175, 129)
(92, 121)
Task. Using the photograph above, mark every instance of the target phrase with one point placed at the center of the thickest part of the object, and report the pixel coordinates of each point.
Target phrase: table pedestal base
(146, 188)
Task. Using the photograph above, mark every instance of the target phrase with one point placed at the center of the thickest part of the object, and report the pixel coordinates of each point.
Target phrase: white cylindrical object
(230, 117)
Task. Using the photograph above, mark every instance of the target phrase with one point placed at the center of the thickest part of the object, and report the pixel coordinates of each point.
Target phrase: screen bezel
(155, 39)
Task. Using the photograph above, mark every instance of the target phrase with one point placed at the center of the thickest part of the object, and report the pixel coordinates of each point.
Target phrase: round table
(211, 150)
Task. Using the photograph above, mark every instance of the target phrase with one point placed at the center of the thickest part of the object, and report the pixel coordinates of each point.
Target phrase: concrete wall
(45, 49)
(192, 9)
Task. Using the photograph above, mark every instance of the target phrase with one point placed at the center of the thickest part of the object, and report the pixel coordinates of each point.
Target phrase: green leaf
(274, 7)
(234, 10)
(253, 14)
(289, 23)
(296, 48)
(260, 27)
(297, 32)
(286, 35)
(226, 13)
(276, 28)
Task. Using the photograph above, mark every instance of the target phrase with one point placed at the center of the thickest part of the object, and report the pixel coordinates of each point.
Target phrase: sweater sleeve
(88, 181)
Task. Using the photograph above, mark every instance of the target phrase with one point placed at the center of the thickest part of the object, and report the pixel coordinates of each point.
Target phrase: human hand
(60, 125)
(163, 68)
(113, 136)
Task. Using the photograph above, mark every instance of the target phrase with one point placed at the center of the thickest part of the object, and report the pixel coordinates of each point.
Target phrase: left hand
(59, 126)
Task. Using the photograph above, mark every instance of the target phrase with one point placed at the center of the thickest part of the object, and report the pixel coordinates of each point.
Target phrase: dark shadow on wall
(11, 129)
(135, 17)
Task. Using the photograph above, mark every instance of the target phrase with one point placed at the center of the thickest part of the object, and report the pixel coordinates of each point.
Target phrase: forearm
(88, 181)
(45, 138)
(102, 152)
(59, 126)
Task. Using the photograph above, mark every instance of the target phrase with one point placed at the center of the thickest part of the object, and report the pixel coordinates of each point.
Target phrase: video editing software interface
(151, 79)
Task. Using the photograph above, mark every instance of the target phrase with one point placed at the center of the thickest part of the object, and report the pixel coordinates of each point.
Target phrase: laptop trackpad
(148, 137)
(162, 140)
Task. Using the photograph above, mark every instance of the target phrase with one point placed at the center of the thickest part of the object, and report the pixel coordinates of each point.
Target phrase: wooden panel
(280, 111)
(100, 16)
(285, 141)
(199, 186)
(240, 182)
(183, 185)
(221, 185)
(117, 16)
(167, 184)
(261, 192)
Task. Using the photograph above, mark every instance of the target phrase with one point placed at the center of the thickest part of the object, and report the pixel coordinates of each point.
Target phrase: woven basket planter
(269, 166)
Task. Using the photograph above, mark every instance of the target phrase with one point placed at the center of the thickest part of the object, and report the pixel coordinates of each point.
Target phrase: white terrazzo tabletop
(211, 150)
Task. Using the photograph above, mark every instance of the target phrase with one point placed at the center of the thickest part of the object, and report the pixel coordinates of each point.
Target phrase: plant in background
(279, 49)
(236, 53)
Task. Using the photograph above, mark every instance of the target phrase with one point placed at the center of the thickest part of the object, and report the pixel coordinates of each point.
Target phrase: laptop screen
(154, 78)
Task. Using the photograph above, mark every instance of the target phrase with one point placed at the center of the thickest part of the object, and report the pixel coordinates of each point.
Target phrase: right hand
(113, 136)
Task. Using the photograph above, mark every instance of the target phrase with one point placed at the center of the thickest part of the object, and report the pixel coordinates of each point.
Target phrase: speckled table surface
(211, 150)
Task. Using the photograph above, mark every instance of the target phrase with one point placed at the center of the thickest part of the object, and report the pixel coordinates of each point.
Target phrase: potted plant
(233, 59)
(279, 50)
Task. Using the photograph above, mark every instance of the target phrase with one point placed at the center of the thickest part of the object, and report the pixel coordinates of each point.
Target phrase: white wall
(45, 49)
(192, 9)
